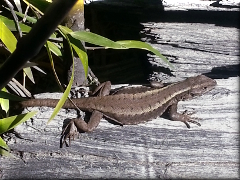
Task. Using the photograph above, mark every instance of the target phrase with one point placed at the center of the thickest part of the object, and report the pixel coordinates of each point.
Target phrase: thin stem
(14, 17)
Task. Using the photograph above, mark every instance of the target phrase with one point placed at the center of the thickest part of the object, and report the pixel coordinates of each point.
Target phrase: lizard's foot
(185, 118)
(190, 119)
(69, 131)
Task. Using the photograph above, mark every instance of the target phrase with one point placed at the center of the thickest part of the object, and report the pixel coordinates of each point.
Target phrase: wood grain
(159, 149)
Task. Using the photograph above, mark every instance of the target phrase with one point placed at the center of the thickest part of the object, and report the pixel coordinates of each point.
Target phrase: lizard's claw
(191, 121)
(185, 118)
(186, 112)
(188, 119)
(70, 131)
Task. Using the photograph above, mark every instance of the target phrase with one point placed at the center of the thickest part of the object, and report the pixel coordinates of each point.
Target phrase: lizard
(130, 106)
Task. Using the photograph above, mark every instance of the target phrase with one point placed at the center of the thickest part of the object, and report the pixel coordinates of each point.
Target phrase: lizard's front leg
(175, 116)
(78, 124)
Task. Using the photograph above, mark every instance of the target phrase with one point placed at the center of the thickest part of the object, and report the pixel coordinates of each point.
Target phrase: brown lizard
(131, 105)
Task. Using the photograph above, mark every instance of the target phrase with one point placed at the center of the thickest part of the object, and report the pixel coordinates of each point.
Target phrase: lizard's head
(201, 84)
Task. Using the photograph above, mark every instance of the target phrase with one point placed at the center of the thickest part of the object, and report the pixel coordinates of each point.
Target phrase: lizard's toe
(185, 118)
(186, 112)
(188, 119)
(191, 121)
(194, 122)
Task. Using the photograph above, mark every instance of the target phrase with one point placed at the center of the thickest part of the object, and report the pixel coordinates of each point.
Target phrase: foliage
(7, 36)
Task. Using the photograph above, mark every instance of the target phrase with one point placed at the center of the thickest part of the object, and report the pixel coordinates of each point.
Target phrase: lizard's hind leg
(77, 124)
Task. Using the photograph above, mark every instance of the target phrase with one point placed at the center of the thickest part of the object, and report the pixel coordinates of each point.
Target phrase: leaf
(3, 152)
(29, 74)
(77, 45)
(81, 52)
(24, 28)
(96, 39)
(143, 45)
(52, 64)
(126, 44)
(18, 88)
(4, 149)
(64, 30)
(3, 144)
(39, 69)
(83, 57)
(10, 41)
(33, 65)
(54, 49)
(4, 103)
(9, 123)
(66, 93)
(28, 18)
(11, 25)
(7, 37)
(6, 95)
(39, 5)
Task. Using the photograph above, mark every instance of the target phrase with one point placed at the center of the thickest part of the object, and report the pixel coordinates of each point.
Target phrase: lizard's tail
(39, 103)
(45, 102)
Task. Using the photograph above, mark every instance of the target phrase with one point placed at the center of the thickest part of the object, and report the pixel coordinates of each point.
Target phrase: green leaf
(83, 57)
(9, 123)
(3, 144)
(145, 46)
(96, 39)
(4, 103)
(126, 44)
(40, 5)
(11, 25)
(6, 95)
(28, 18)
(3, 152)
(10, 41)
(52, 65)
(81, 52)
(66, 93)
(29, 73)
(64, 30)
(54, 49)
(24, 28)
(7, 37)
(4, 149)
(77, 45)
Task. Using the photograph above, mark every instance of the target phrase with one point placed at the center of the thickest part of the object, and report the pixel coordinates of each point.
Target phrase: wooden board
(157, 149)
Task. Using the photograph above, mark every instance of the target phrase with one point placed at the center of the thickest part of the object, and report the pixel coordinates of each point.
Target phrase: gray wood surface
(159, 149)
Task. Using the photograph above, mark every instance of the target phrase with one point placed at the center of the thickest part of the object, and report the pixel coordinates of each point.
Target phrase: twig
(14, 17)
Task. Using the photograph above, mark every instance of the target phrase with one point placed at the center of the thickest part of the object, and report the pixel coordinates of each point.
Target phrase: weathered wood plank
(159, 148)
